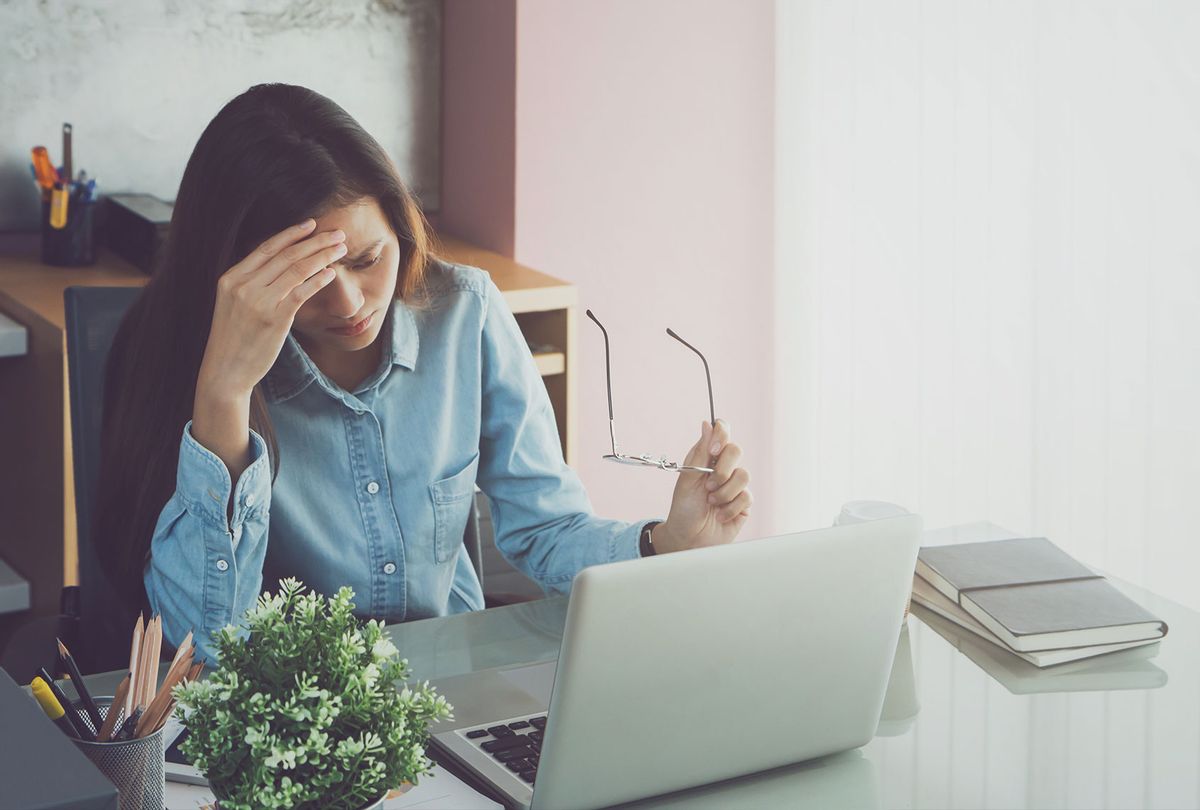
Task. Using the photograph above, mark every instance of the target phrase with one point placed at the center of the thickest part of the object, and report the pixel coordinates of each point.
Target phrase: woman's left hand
(707, 509)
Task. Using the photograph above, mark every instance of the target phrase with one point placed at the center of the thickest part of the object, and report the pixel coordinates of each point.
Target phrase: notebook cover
(934, 600)
(994, 563)
(1060, 607)
(1127, 669)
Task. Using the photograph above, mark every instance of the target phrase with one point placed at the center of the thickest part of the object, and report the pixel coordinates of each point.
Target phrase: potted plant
(304, 710)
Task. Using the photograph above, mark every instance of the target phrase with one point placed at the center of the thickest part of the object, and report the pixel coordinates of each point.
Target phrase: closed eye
(366, 265)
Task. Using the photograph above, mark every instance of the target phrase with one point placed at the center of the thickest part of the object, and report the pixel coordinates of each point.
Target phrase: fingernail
(716, 448)
(306, 224)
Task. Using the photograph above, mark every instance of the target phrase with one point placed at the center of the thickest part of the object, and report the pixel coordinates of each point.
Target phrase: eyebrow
(362, 254)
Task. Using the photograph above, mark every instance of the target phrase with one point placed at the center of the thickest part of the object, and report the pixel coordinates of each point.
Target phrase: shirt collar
(294, 370)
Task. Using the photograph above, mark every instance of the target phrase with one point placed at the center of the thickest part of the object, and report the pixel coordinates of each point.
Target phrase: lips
(356, 329)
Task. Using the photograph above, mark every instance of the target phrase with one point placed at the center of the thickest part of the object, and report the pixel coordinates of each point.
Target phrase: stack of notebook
(1029, 597)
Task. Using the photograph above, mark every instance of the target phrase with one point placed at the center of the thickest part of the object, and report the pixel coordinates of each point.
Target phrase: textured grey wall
(140, 79)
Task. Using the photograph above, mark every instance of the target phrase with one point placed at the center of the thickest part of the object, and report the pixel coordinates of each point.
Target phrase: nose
(343, 298)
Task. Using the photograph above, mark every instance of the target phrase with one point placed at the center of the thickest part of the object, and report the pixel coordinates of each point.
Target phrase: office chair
(94, 616)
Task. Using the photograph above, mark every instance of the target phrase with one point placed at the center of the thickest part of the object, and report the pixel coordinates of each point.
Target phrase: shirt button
(372, 488)
(222, 565)
(250, 499)
(389, 569)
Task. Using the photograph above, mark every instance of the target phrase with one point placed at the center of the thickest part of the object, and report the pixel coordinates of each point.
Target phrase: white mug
(863, 511)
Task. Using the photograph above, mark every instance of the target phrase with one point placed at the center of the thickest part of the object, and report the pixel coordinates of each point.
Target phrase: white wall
(988, 260)
(140, 79)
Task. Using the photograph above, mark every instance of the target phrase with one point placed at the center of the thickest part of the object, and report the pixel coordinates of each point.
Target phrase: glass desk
(964, 724)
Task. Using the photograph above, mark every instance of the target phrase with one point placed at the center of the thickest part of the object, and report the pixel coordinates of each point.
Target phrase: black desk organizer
(74, 244)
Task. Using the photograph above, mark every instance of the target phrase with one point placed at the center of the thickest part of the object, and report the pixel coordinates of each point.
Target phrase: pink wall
(644, 174)
(637, 163)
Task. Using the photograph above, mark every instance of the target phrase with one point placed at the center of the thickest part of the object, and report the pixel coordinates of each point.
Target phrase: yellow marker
(58, 206)
(52, 707)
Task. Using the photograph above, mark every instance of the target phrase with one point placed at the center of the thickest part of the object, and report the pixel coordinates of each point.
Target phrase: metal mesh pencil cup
(135, 766)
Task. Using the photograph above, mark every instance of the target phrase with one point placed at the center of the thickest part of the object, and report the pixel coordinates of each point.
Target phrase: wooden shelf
(524, 289)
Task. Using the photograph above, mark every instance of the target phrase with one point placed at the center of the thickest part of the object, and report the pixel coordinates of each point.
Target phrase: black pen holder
(135, 767)
(74, 244)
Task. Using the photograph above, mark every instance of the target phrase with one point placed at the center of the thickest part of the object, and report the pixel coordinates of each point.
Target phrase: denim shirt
(375, 486)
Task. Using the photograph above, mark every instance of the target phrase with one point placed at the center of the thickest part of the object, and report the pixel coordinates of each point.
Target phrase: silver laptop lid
(690, 668)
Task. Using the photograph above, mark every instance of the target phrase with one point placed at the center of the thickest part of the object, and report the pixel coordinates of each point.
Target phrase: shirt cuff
(625, 545)
(204, 484)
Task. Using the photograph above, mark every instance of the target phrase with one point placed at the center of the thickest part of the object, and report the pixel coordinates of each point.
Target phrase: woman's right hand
(257, 299)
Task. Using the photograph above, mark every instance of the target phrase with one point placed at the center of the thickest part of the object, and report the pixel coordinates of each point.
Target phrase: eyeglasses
(647, 460)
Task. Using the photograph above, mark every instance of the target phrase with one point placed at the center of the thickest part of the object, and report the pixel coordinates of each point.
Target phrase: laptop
(690, 668)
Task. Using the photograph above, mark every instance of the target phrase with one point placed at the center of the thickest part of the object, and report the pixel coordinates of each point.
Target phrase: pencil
(148, 661)
(89, 705)
(157, 708)
(81, 728)
(183, 647)
(114, 710)
(135, 649)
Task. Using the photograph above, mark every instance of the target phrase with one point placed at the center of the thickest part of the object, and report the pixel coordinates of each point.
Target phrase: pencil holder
(135, 766)
(74, 244)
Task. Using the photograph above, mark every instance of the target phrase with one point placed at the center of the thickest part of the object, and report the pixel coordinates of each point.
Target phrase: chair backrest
(92, 317)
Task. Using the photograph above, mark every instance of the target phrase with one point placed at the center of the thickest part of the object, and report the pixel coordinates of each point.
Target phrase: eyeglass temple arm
(712, 413)
(612, 431)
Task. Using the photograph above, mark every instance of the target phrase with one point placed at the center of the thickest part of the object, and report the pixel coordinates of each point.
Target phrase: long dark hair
(274, 156)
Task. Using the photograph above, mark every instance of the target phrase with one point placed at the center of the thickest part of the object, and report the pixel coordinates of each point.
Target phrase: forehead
(363, 222)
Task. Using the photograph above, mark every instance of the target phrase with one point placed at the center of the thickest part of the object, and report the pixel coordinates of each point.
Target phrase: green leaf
(303, 711)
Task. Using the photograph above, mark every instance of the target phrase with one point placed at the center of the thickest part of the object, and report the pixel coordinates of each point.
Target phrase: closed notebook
(1034, 596)
(932, 599)
(1127, 669)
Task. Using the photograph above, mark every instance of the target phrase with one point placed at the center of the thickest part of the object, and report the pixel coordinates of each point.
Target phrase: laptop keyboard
(517, 744)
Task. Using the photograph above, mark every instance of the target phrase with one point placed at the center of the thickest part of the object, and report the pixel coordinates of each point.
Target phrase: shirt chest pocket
(453, 499)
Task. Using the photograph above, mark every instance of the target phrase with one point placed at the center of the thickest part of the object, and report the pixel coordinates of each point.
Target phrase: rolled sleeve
(205, 568)
(203, 482)
(543, 519)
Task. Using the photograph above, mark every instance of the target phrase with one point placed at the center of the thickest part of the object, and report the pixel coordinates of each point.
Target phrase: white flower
(383, 649)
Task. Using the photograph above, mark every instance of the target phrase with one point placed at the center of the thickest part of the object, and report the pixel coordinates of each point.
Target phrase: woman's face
(348, 313)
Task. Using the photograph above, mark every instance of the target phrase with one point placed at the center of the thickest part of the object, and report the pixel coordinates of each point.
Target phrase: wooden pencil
(156, 710)
(114, 709)
(183, 647)
(155, 658)
(162, 720)
(151, 649)
(139, 680)
(135, 651)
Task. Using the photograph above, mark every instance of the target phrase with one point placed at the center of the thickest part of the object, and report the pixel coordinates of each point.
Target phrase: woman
(305, 389)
